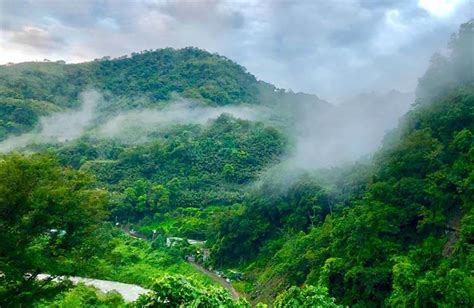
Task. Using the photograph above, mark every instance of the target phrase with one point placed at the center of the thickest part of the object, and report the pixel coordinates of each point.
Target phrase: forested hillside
(178, 145)
(402, 239)
(29, 90)
(145, 79)
(406, 240)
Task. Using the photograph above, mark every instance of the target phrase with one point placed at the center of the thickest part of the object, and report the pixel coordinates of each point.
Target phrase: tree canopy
(47, 215)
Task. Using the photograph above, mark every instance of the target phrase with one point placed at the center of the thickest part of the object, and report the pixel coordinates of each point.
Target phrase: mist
(320, 134)
(324, 137)
(59, 127)
(347, 132)
(135, 126)
(128, 127)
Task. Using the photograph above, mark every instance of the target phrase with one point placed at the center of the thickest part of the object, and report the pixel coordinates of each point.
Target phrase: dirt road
(227, 285)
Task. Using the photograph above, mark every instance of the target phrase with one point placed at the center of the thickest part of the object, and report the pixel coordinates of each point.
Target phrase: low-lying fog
(319, 137)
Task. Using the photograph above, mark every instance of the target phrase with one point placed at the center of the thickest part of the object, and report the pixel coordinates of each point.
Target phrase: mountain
(185, 144)
(29, 90)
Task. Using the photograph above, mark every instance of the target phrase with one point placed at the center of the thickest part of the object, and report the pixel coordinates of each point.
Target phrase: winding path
(227, 285)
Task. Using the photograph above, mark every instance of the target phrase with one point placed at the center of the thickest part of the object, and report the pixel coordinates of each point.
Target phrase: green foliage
(408, 239)
(47, 216)
(82, 296)
(447, 73)
(267, 214)
(18, 116)
(191, 166)
(190, 72)
(177, 291)
(308, 296)
(404, 238)
(192, 223)
(120, 257)
(29, 90)
(396, 233)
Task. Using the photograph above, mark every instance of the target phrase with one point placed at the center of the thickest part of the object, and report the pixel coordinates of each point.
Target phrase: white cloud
(439, 8)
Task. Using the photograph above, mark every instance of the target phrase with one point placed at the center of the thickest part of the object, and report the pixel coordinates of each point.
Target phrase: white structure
(171, 241)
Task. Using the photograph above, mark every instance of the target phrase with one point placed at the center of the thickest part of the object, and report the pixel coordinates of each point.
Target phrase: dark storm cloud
(331, 48)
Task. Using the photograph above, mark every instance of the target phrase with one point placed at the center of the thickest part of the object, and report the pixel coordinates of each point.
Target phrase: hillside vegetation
(404, 238)
(29, 90)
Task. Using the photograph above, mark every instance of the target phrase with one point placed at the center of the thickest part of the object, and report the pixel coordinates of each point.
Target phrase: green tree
(82, 296)
(177, 291)
(47, 214)
(307, 296)
(161, 198)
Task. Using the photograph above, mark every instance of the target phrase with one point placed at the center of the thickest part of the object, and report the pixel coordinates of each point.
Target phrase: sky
(334, 49)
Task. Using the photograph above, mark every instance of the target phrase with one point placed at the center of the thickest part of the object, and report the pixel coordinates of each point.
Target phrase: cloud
(331, 48)
(439, 8)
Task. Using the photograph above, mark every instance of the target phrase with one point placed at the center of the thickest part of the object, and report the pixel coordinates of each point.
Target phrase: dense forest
(395, 229)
